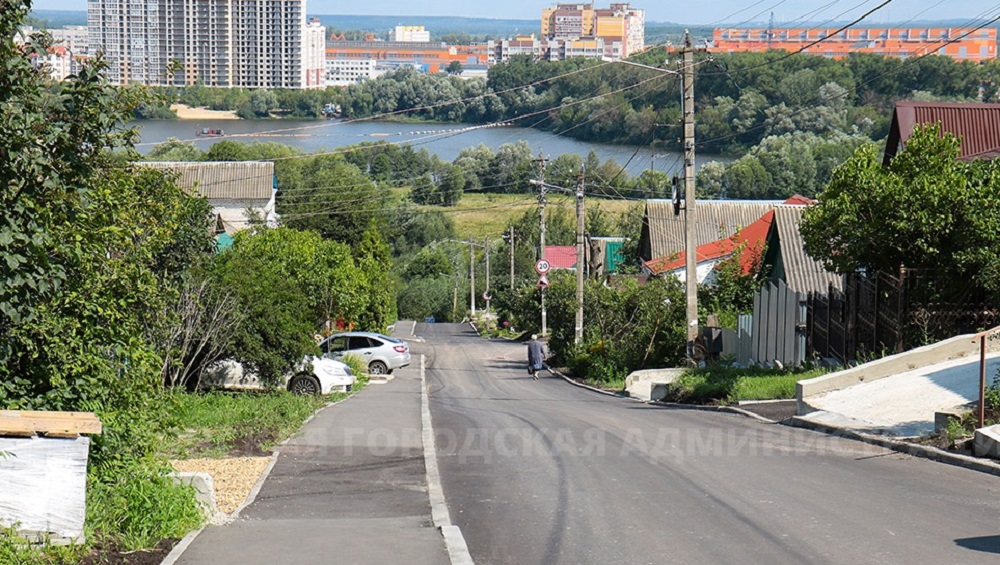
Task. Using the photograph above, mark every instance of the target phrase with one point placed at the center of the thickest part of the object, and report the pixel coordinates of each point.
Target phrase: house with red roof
(749, 242)
(561, 256)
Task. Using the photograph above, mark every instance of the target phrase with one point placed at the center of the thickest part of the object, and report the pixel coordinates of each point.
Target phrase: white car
(325, 377)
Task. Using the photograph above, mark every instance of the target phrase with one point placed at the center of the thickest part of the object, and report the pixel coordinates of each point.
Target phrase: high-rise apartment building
(620, 27)
(223, 43)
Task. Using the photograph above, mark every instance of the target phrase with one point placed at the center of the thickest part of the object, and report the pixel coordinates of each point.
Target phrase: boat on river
(208, 132)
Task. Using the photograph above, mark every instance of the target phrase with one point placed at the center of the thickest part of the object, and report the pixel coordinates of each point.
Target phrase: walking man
(536, 356)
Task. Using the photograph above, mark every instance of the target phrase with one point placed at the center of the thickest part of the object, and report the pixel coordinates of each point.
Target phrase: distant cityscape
(272, 44)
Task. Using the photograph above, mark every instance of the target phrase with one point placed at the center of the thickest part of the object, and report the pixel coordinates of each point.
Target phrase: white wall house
(232, 189)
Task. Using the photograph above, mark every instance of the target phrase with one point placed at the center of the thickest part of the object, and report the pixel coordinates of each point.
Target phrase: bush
(626, 327)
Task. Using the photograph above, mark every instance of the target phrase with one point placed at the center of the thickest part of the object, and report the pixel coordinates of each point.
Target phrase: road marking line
(454, 541)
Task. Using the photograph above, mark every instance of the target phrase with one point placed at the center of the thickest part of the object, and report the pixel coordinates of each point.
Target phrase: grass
(219, 424)
(727, 385)
(486, 214)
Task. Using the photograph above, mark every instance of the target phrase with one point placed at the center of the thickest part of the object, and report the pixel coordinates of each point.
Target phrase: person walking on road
(536, 356)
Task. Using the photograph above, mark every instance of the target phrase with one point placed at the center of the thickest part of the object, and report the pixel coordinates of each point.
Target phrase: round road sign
(487, 296)
(542, 266)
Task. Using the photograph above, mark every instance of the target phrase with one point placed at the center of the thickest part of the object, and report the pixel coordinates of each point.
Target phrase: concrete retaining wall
(961, 346)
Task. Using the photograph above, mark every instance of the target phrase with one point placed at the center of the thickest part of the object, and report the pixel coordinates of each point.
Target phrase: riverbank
(185, 112)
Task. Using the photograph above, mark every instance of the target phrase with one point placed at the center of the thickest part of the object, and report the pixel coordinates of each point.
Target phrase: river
(445, 140)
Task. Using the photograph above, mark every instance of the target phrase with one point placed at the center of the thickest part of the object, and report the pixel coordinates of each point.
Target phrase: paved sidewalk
(351, 488)
(903, 405)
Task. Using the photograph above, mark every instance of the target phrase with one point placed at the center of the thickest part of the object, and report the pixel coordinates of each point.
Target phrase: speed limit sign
(542, 266)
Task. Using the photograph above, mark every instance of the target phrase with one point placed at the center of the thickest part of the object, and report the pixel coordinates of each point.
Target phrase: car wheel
(304, 384)
(377, 368)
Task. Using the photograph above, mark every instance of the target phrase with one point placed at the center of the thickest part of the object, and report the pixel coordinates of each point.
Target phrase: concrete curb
(912, 449)
(187, 540)
(181, 547)
(454, 541)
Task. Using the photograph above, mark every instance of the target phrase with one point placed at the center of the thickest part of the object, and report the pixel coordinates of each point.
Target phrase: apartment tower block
(620, 28)
(219, 43)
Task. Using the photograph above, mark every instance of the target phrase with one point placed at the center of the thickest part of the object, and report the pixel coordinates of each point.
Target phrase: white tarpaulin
(43, 484)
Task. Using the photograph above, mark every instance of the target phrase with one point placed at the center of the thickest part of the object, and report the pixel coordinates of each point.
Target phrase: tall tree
(926, 210)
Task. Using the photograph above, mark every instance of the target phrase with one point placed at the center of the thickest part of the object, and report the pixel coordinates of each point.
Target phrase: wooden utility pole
(690, 245)
(511, 240)
(541, 233)
(472, 277)
(578, 336)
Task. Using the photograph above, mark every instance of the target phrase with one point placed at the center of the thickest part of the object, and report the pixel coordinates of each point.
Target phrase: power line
(808, 45)
(822, 99)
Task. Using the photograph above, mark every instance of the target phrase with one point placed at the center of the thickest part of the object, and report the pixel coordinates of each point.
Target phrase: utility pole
(541, 233)
(690, 245)
(511, 257)
(578, 336)
(580, 242)
(486, 248)
(472, 277)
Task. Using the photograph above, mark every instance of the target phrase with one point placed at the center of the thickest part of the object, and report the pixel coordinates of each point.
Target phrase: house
(604, 255)
(236, 190)
(978, 126)
(663, 232)
(561, 256)
(773, 240)
(751, 240)
(787, 259)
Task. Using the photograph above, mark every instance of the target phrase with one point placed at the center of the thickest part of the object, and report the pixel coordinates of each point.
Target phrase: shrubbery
(626, 326)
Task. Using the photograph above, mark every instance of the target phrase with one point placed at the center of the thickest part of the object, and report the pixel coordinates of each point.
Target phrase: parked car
(381, 354)
(314, 375)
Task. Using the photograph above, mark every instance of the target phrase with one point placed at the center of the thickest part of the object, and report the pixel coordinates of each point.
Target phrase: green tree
(328, 195)
(424, 191)
(926, 210)
(373, 257)
(285, 281)
(454, 68)
(174, 149)
(259, 104)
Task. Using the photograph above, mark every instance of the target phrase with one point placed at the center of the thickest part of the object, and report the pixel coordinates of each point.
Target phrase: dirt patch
(109, 556)
(232, 478)
(188, 113)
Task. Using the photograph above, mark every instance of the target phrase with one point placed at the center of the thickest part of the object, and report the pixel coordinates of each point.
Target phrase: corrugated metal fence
(774, 334)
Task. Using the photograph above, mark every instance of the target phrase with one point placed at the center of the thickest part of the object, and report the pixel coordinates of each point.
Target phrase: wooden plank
(21, 422)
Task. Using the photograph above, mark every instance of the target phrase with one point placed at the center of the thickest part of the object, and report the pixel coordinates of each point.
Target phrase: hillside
(481, 215)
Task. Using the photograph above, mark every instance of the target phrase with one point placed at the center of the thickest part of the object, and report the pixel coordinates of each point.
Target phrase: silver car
(381, 353)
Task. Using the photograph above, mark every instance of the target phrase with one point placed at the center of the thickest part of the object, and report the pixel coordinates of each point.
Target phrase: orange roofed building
(961, 44)
(430, 57)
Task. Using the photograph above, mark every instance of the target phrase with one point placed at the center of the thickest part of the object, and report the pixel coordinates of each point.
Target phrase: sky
(717, 13)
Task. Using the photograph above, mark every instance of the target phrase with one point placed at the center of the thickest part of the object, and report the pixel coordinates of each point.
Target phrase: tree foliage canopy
(926, 210)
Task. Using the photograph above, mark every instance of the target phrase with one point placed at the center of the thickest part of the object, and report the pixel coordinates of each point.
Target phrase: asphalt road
(545, 472)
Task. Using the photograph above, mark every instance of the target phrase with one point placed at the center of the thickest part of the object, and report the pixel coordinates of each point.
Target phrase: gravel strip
(233, 478)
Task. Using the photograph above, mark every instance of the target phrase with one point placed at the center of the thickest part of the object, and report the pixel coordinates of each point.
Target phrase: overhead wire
(909, 61)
